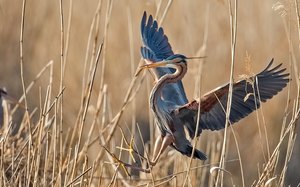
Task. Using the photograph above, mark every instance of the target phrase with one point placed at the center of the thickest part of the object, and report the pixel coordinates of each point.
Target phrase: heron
(172, 110)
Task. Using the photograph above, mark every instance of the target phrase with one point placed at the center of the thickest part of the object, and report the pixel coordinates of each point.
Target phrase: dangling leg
(160, 146)
(164, 143)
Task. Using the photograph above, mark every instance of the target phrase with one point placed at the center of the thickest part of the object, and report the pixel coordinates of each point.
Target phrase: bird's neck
(164, 80)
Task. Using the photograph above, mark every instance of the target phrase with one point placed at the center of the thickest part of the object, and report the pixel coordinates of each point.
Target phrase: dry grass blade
(233, 29)
(79, 176)
(48, 65)
(202, 50)
(117, 161)
(213, 169)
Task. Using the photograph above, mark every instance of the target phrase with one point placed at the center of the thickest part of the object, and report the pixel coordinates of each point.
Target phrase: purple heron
(171, 108)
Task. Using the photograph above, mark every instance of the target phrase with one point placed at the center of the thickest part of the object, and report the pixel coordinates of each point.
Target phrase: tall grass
(82, 112)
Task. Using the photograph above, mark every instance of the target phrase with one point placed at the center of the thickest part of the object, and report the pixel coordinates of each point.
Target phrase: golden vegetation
(83, 109)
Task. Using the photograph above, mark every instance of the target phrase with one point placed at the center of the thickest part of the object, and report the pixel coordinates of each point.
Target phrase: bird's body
(165, 106)
(163, 110)
(171, 108)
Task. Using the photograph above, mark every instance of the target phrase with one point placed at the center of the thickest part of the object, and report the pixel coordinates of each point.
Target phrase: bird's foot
(124, 165)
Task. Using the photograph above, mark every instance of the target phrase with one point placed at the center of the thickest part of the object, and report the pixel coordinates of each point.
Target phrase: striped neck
(155, 95)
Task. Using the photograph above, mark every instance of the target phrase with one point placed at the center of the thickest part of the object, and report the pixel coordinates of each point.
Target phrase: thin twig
(202, 50)
(233, 29)
(79, 176)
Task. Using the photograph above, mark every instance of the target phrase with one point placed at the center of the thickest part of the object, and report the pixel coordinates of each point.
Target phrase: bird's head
(172, 61)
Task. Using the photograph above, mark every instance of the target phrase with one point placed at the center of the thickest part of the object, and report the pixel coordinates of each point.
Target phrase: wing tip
(150, 21)
(143, 21)
(197, 153)
(272, 70)
(269, 65)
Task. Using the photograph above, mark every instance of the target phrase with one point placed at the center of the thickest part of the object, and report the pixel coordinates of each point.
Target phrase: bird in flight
(171, 108)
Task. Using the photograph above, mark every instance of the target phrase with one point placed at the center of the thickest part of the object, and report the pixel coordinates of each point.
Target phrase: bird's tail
(197, 154)
(188, 152)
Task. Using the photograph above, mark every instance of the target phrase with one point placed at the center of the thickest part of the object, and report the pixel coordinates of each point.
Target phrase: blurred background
(263, 32)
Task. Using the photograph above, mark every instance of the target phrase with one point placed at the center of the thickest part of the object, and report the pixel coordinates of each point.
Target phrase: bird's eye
(177, 60)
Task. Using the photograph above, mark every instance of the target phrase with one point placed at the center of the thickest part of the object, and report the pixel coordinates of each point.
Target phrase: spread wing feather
(156, 45)
(246, 97)
(157, 48)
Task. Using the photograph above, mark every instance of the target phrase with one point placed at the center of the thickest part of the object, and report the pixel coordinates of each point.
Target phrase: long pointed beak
(196, 57)
(161, 64)
(157, 64)
(153, 65)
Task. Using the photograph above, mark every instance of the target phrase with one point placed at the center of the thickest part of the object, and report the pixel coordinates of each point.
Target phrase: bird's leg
(163, 143)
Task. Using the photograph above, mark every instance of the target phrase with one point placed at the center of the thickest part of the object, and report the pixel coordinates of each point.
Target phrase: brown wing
(246, 97)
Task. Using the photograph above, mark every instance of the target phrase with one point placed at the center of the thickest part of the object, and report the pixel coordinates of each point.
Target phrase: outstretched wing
(246, 97)
(156, 45)
(157, 48)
